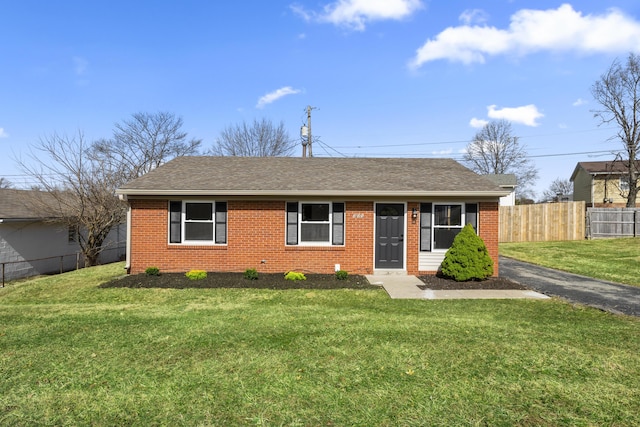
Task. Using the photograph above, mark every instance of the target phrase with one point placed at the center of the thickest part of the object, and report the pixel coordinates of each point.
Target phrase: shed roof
(317, 176)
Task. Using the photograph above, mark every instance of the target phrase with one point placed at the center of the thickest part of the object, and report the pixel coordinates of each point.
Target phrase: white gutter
(123, 194)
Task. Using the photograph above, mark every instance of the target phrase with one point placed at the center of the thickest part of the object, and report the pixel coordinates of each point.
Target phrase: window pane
(314, 232)
(444, 237)
(315, 212)
(198, 231)
(199, 211)
(448, 214)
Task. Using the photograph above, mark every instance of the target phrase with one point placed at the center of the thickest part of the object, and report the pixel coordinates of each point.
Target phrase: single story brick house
(278, 214)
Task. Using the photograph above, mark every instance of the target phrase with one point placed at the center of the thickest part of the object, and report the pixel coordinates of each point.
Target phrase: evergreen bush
(251, 274)
(467, 258)
(342, 275)
(152, 271)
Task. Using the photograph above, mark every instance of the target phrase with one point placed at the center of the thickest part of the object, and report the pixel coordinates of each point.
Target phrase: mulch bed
(237, 280)
(277, 281)
(442, 283)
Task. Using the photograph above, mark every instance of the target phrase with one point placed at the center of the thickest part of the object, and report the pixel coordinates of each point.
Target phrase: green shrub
(251, 274)
(467, 258)
(152, 271)
(196, 274)
(293, 275)
(341, 275)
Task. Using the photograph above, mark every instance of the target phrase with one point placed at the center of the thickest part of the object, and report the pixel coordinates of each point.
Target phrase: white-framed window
(197, 222)
(315, 223)
(624, 183)
(440, 223)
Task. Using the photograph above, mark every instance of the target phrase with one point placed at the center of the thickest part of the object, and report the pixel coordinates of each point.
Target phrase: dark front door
(390, 235)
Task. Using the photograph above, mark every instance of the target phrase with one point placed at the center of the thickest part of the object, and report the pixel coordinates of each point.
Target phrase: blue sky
(409, 78)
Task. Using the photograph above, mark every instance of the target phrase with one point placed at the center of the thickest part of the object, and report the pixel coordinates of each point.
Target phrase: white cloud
(445, 152)
(473, 16)
(301, 12)
(558, 30)
(478, 123)
(526, 115)
(355, 14)
(3, 133)
(275, 95)
(578, 102)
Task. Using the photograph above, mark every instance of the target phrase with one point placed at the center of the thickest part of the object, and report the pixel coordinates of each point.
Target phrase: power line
(467, 141)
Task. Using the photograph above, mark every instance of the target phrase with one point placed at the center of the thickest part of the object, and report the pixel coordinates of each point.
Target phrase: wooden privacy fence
(613, 222)
(542, 222)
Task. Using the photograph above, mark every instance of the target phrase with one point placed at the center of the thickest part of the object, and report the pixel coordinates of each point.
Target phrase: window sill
(313, 248)
(200, 247)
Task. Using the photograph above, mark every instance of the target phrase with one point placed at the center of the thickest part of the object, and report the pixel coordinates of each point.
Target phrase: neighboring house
(279, 214)
(601, 184)
(508, 182)
(32, 245)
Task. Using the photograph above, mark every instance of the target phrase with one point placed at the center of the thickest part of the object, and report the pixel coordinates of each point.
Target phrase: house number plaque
(358, 215)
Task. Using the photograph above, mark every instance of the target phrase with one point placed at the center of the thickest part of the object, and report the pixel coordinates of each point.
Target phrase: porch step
(394, 272)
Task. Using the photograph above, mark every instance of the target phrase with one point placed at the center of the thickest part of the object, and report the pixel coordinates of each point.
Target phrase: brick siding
(256, 239)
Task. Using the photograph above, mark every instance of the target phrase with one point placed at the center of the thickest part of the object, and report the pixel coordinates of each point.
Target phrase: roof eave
(5, 220)
(315, 193)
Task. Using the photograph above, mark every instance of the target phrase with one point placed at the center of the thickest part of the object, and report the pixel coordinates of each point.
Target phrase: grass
(616, 260)
(74, 354)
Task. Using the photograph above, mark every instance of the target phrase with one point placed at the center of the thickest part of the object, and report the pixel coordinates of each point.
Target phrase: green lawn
(617, 260)
(74, 354)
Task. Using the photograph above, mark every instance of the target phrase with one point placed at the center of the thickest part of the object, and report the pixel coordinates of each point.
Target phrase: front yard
(72, 353)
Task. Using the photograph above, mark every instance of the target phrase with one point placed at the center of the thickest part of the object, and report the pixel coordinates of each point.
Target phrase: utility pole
(305, 134)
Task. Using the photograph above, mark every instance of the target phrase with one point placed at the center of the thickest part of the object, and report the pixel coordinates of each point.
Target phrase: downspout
(127, 265)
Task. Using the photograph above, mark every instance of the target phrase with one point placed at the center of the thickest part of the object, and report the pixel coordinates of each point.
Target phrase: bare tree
(618, 93)
(78, 191)
(558, 187)
(144, 142)
(79, 179)
(5, 183)
(261, 139)
(494, 150)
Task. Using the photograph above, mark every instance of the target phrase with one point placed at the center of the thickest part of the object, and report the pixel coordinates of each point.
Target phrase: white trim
(183, 221)
(463, 216)
(329, 243)
(293, 194)
(128, 243)
(329, 223)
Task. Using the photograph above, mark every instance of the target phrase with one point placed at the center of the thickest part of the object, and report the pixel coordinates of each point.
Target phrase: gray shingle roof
(20, 205)
(503, 179)
(311, 176)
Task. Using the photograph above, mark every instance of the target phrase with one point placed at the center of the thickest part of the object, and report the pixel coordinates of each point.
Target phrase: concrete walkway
(406, 287)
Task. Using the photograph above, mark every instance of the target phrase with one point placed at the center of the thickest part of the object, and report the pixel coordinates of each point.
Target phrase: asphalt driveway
(608, 296)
